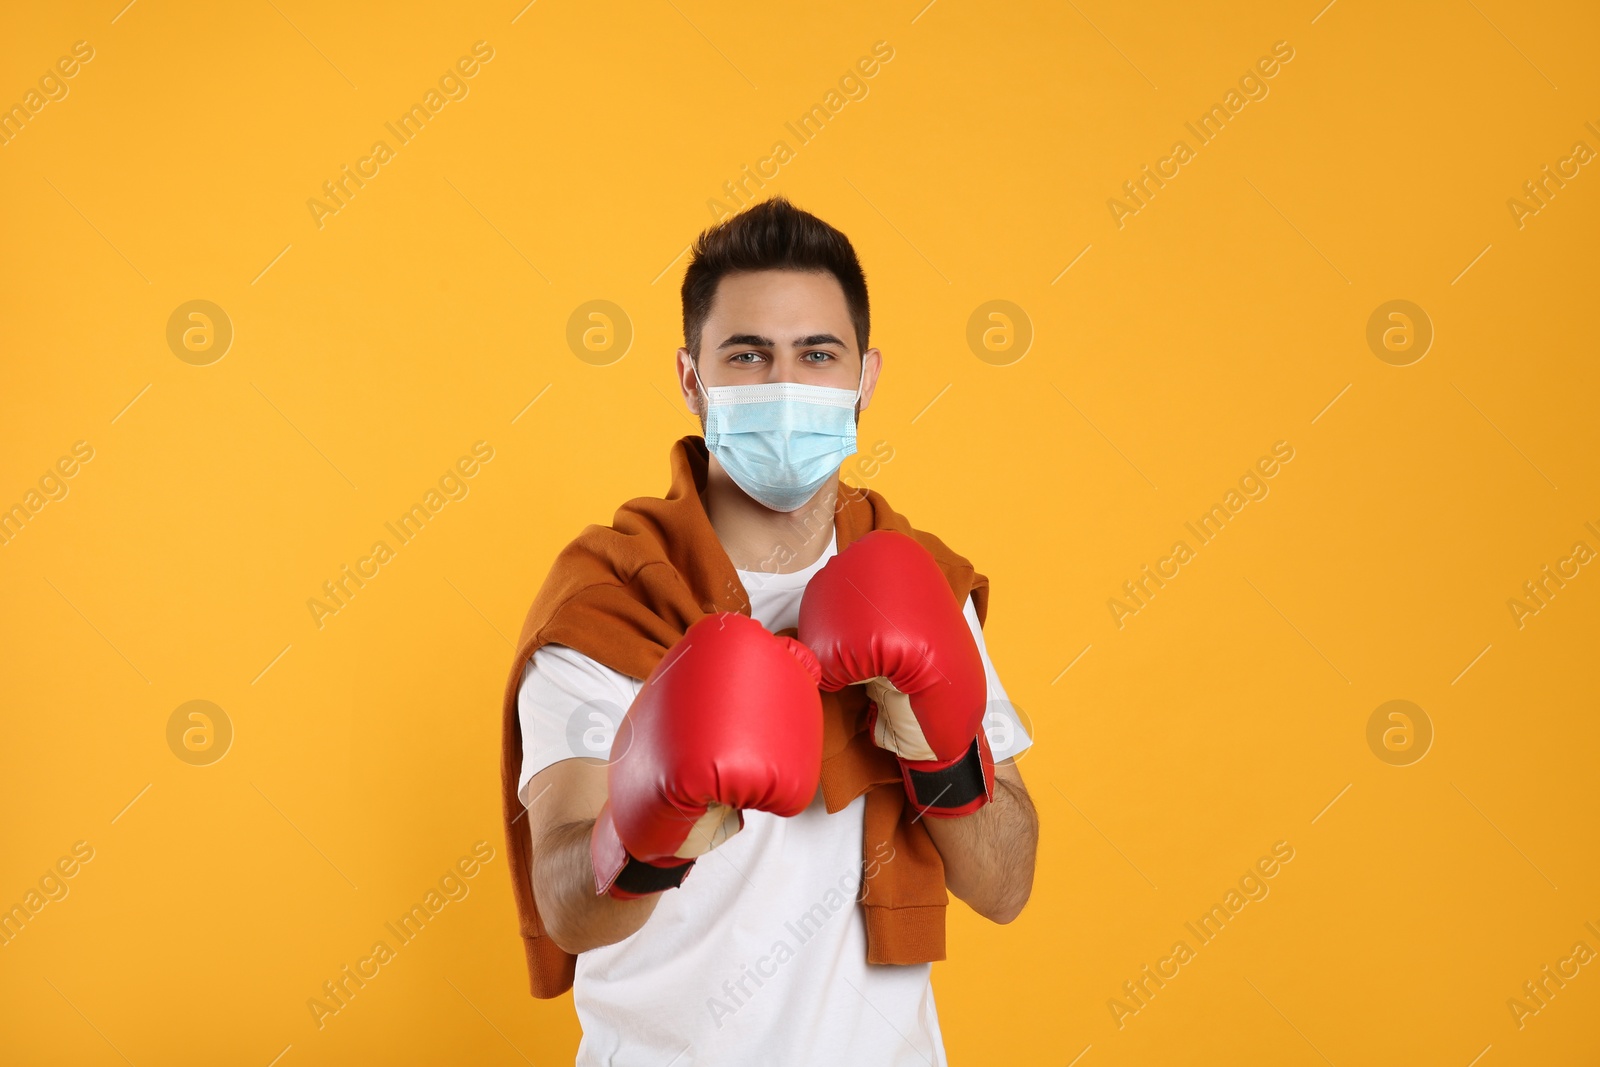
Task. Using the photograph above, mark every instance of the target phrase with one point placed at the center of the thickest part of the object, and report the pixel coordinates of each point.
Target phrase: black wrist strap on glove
(619, 873)
(957, 787)
(638, 878)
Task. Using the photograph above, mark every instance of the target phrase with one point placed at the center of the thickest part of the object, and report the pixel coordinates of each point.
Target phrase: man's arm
(696, 759)
(989, 854)
(567, 797)
(880, 613)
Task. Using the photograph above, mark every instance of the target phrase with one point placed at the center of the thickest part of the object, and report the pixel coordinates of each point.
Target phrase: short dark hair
(770, 235)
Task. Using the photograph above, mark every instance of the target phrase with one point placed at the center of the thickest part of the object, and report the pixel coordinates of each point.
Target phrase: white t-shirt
(760, 956)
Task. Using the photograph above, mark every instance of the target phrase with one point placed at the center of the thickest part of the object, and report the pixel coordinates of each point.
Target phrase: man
(721, 907)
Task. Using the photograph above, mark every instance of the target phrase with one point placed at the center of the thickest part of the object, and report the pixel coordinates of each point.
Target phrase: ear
(871, 367)
(687, 375)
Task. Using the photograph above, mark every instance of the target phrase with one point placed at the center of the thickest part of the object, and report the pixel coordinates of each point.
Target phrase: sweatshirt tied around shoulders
(624, 594)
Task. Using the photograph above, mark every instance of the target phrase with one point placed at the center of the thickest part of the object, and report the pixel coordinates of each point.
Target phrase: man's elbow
(558, 933)
(565, 940)
(1006, 915)
(561, 922)
(1005, 909)
(1001, 903)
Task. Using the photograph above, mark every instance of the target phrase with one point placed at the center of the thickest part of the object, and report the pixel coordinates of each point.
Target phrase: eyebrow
(751, 340)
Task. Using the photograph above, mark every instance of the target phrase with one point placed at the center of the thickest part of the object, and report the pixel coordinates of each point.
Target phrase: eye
(821, 352)
(738, 357)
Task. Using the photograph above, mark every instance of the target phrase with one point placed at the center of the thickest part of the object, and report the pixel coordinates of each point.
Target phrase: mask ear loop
(700, 390)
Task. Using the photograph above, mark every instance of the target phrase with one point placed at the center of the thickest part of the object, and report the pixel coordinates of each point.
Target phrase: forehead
(780, 300)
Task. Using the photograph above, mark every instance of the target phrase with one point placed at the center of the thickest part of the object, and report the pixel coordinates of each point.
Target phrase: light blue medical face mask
(781, 441)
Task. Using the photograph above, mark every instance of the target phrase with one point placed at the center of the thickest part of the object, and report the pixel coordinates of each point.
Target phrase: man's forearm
(575, 917)
(989, 854)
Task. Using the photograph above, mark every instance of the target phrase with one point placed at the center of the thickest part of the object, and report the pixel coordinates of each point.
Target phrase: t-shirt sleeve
(1007, 736)
(569, 705)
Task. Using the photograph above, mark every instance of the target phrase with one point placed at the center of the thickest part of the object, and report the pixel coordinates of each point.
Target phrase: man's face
(778, 326)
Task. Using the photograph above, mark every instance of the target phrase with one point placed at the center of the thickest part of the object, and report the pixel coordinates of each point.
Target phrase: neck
(757, 538)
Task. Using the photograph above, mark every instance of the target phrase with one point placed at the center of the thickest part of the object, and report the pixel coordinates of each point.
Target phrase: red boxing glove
(729, 719)
(882, 613)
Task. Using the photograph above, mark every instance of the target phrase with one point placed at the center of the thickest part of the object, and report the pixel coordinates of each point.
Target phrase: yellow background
(1226, 315)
